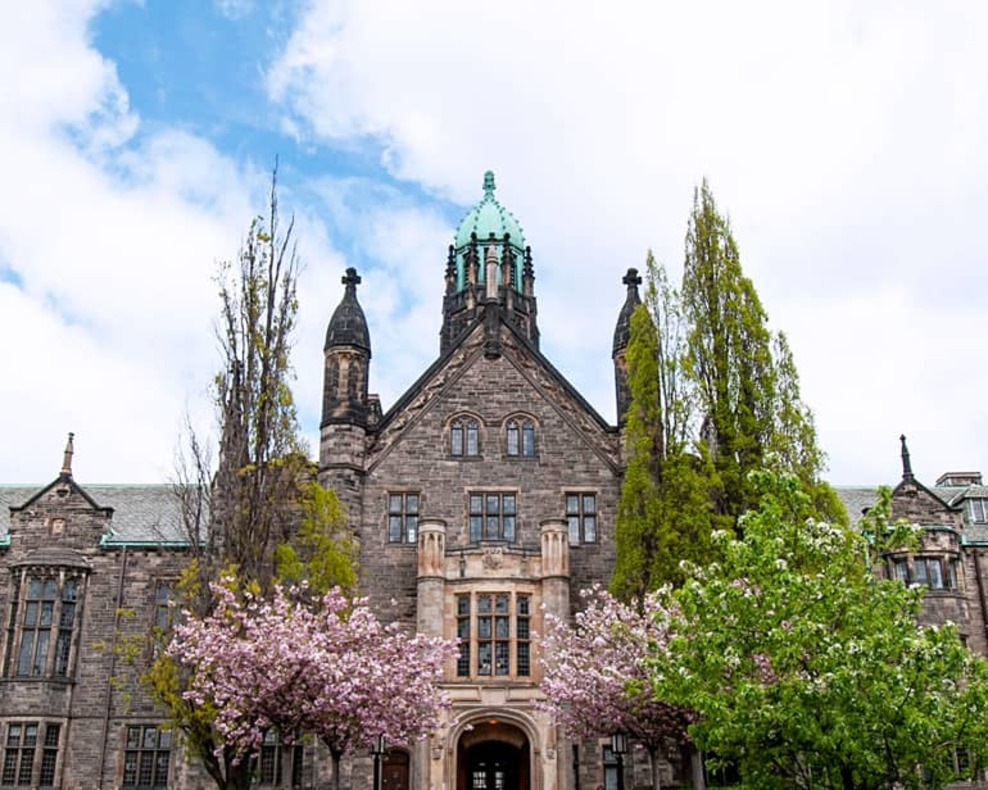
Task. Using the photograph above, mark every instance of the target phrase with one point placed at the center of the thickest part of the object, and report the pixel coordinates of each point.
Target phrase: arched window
(521, 438)
(464, 437)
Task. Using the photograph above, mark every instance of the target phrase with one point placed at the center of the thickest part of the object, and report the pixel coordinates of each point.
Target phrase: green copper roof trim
(109, 542)
(486, 218)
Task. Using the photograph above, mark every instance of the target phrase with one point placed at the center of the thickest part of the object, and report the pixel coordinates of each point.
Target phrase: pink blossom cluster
(597, 680)
(331, 669)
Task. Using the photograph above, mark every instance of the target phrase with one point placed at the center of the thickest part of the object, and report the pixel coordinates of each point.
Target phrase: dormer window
(464, 437)
(977, 510)
(521, 438)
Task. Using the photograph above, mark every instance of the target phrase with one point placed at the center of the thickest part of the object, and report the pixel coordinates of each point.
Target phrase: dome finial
(489, 184)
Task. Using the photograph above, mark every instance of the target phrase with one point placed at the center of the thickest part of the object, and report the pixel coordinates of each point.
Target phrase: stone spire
(67, 457)
(907, 467)
(622, 333)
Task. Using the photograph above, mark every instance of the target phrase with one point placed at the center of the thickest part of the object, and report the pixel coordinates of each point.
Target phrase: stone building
(484, 496)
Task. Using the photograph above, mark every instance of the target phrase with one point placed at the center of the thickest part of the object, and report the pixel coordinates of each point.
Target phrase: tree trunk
(696, 768)
(335, 780)
(653, 759)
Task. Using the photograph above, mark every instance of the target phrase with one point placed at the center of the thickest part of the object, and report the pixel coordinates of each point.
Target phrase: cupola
(489, 267)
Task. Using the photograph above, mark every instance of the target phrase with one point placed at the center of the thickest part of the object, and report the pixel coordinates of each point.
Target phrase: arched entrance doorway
(493, 756)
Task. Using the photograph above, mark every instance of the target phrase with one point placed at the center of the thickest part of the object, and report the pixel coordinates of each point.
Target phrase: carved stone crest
(493, 557)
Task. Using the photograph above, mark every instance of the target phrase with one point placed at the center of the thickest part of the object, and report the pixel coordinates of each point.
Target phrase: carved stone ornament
(493, 557)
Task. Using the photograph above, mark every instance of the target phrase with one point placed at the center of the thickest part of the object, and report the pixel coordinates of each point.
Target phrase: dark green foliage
(745, 378)
(714, 396)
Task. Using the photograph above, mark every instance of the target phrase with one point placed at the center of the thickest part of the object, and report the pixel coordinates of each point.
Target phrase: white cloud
(843, 139)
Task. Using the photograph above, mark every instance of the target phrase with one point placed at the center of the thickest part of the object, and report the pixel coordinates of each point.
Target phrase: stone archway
(494, 755)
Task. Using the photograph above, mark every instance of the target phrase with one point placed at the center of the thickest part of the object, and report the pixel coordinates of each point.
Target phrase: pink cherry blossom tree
(329, 668)
(596, 681)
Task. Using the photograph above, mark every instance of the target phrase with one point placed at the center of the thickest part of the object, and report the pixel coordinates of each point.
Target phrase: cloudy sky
(846, 140)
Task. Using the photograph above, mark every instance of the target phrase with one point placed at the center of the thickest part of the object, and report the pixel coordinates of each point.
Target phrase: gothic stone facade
(485, 496)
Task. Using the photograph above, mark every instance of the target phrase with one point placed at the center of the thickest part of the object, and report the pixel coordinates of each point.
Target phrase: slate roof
(141, 513)
(856, 499)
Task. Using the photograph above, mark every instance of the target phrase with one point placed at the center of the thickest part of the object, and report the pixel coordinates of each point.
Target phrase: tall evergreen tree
(745, 379)
(714, 396)
(663, 513)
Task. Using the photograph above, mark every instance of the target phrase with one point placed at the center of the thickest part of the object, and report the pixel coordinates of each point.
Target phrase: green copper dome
(486, 221)
(488, 217)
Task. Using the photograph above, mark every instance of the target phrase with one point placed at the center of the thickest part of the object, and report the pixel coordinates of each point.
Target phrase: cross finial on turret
(67, 457)
(351, 279)
(907, 468)
(632, 279)
(489, 184)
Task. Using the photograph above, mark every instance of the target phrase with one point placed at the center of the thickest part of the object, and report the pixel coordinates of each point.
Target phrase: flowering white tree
(596, 679)
(808, 670)
(331, 669)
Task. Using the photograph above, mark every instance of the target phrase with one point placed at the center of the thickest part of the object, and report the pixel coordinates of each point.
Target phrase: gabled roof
(409, 394)
(141, 514)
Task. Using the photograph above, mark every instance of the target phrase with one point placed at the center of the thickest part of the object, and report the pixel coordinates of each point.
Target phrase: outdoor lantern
(619, 743)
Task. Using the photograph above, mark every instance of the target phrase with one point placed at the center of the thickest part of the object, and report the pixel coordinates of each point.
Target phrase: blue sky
(845, 140)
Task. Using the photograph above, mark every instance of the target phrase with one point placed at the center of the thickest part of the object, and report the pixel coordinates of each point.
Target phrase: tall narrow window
(523, 654)
(403, 517)
(39, 613)
(49, 756)
(463, 634)
(147, 757)
(500, 635)
(521, 438)
(581, 517)
(66, 623)
(464, 437)
(492, 516)
(43, 620)
(278, 762)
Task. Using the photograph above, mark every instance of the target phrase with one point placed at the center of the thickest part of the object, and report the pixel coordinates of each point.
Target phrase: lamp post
(378, 750)
(619, 746)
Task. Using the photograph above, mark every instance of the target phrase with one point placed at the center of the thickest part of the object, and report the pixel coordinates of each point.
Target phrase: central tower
(489, 265)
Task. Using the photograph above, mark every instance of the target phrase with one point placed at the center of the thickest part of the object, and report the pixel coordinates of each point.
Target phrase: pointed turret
(347, 354)
(488, 263)
(907, 467)
(347, 409)
(67, 458)
(622, 333)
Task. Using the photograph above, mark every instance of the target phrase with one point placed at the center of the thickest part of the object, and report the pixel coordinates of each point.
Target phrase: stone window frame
(582, 522)
(496, 506)
(146, 763)
(520, 437)
(977, 510)
(275, 760)
(33, 764)
(403, 516)
(163, 615)
(465, 437)
(938, 573)
(61, 636)
(495, 642)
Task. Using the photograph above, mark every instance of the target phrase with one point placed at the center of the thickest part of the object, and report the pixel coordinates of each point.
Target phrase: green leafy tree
(259, 514)
(748, 396)
(807, 669)
(663, 512)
